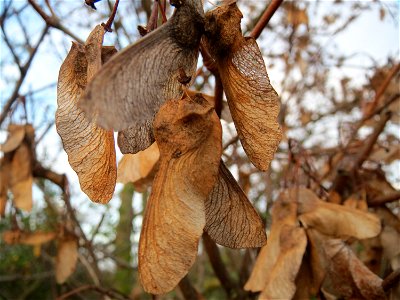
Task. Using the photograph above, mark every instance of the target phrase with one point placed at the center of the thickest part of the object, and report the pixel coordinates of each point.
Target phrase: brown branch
(265, 18)
(113, 294)
(218, 265)
(62, 181)
(391, 280)
(370, 142)
(53, 21)
(15, 94)
(107, 26)
(384, 199)
(187, 289)
(395, 69)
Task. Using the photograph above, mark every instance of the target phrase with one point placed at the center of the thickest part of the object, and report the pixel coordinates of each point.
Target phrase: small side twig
(107, 26)
(391, 280)
(384, 199)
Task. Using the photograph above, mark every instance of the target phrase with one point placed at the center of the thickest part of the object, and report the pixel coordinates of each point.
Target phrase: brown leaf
(67, 256)
(27, 238)
(348, 277)
(16, 134)
(252, 100)
(20, 178)
(139, 168)
(90, 149)
(284, 212)
(231, 219)
(335, 220)
(129, 90)
(280, 281)
(188, 134)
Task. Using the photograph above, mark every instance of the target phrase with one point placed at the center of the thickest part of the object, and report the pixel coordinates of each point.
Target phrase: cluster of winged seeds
(139, 93)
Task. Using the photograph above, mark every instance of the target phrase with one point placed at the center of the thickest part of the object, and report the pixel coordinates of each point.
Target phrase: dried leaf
(139, 168)
(20, 180)
(336, 220)
(280, 281)
(90, 149)
(284, 212)
(188, 134)
(348, 277)
(13, 237)
(231, 219)
(67, 256)
(252, 100)
(129, 90)
(16, 134)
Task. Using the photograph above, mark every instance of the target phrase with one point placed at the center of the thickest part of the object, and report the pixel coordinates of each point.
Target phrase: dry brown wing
(136, 138)
(188, 134)
(284, 213)
(67, 257)
(20, 177)
(16, 134)
(90, 149)
(253, 103)
(336, 220)
(129, 90)
(231, 219)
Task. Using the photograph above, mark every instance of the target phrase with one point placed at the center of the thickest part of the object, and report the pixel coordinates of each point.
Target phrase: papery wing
(172, 226)
(131, 87)
(90, 149)
(253, 103)
(136, 138)
(231, 219)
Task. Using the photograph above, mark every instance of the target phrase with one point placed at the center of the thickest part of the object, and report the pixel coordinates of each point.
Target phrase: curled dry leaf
(128, 91)
(27, 238)
(67, 256)
(16, 134)
(139, 168)
(90, 149)
(284, 213)
(231, 219)
(336, 220)
(188, 134)
(348, 277)
(252, 100)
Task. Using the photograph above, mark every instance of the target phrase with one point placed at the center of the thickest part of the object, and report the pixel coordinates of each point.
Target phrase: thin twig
(265, 18)
(391, 280)
(15, 94)
(393, 71)
(384, 199)
(217, 264)
(107, 26)
(113, 294)
(53, 21)
(187, 289)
